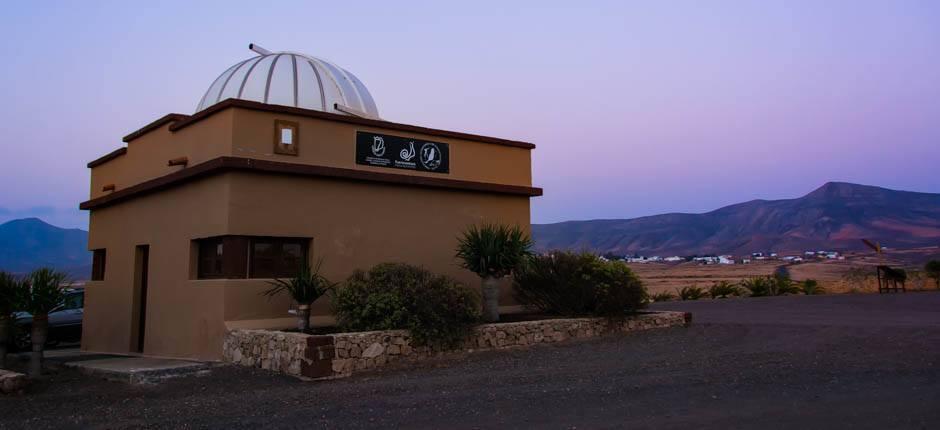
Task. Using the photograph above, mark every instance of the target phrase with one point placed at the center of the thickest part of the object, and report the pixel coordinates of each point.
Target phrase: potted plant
(493, 251)
(305, 288)
(11, 298)
(44, 294)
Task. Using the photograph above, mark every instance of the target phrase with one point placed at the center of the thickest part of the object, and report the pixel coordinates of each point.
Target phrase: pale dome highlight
(292, 79)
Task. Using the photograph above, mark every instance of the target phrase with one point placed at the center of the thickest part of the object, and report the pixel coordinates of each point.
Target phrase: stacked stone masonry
(342, 354)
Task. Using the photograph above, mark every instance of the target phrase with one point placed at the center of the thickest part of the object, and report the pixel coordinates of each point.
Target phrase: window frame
(238, 260)
(294, 147)
(99, 264)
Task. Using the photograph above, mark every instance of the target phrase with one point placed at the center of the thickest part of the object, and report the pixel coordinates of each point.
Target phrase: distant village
(729, 259)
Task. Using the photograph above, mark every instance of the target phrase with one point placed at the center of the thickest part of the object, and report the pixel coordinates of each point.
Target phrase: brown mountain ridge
(833, 217)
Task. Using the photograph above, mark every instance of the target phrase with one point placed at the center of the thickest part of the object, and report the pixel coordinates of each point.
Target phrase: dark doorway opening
(139, 314)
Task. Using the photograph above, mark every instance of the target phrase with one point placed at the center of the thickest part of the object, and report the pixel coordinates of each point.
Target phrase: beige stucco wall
(354, 225)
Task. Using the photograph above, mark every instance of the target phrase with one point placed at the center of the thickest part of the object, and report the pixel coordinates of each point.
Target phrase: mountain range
(835, 216)
(29, 243)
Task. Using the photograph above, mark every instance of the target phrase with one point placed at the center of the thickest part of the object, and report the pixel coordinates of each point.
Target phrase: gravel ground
(845, 361)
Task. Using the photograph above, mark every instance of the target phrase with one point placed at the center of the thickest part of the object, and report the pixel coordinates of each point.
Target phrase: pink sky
(637, 108)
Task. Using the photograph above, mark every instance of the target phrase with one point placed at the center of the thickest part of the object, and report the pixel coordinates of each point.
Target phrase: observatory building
(285, 160)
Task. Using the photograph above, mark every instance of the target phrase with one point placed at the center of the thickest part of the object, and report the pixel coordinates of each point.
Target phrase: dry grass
(855, 274)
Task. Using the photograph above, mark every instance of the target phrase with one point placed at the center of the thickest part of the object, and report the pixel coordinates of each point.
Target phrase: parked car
(65, 322)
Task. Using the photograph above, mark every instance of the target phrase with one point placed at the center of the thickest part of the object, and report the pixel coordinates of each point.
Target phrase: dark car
(65, 322)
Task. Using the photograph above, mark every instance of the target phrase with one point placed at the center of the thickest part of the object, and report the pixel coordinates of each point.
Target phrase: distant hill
(28, 243)
(833, 217)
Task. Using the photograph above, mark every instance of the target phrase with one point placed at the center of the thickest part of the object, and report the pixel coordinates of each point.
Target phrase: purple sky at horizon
(637, 108)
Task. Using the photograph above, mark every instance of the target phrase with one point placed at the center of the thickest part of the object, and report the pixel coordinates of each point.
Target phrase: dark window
(98, 258)
(238, 257)
(210, 258)
(274, 257)
(74, 301)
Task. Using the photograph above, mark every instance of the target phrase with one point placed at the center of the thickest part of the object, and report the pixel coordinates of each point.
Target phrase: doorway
(139, 311)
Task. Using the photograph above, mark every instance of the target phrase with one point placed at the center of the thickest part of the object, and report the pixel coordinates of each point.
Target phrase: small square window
(286, 137)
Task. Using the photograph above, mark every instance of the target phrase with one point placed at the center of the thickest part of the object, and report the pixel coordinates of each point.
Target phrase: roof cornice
(241, 164)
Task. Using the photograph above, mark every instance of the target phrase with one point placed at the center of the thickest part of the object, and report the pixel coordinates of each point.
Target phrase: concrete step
(140, 370)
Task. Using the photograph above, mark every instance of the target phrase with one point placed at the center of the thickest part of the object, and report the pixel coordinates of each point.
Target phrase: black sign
(382, 150)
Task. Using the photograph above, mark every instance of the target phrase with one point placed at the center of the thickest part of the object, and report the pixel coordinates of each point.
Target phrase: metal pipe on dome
(258, 49)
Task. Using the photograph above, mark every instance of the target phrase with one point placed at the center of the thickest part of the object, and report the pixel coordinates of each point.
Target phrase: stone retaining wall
(342, 354)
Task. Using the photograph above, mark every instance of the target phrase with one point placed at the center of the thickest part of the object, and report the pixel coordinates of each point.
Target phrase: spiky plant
(45, 293)
(305, 288)
(692, 292)
(11, 301)
(493, 251)
(758, 286)
(662, 296)
(723, 289)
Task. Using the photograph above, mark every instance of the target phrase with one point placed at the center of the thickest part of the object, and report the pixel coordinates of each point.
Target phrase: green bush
(435, 309)
(810, 287)
(693, 292)
(573, 284)
(722, 290)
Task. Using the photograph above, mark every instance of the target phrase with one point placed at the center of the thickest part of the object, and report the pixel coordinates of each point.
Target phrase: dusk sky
(637, 108)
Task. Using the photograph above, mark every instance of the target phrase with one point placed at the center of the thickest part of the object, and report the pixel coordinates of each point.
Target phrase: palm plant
(11, 300)
(305, 288)
(493, 251)
(45, 293)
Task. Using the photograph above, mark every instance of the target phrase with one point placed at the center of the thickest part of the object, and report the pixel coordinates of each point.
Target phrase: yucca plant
(493, 251)
(11, 301)
(45, 293)
(305, 288)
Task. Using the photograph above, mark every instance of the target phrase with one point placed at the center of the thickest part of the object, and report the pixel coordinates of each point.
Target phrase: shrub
(663, 296)
(722, 290)
(435, 309)
(567, 283)
(781, 284)
(810, 287)
(693, 292)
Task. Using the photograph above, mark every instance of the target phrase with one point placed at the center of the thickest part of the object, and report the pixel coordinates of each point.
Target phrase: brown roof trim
(110, 156)
(225, 164)
(168, 118)
(263, 107)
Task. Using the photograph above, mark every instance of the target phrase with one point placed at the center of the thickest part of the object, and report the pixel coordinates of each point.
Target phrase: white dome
(291, 79)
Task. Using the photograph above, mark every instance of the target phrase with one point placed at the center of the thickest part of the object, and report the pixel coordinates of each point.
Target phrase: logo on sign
(430, 156)
(408, 153)
(378, 146)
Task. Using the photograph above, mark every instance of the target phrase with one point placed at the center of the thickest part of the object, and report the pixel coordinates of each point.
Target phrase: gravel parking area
(847, 361)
